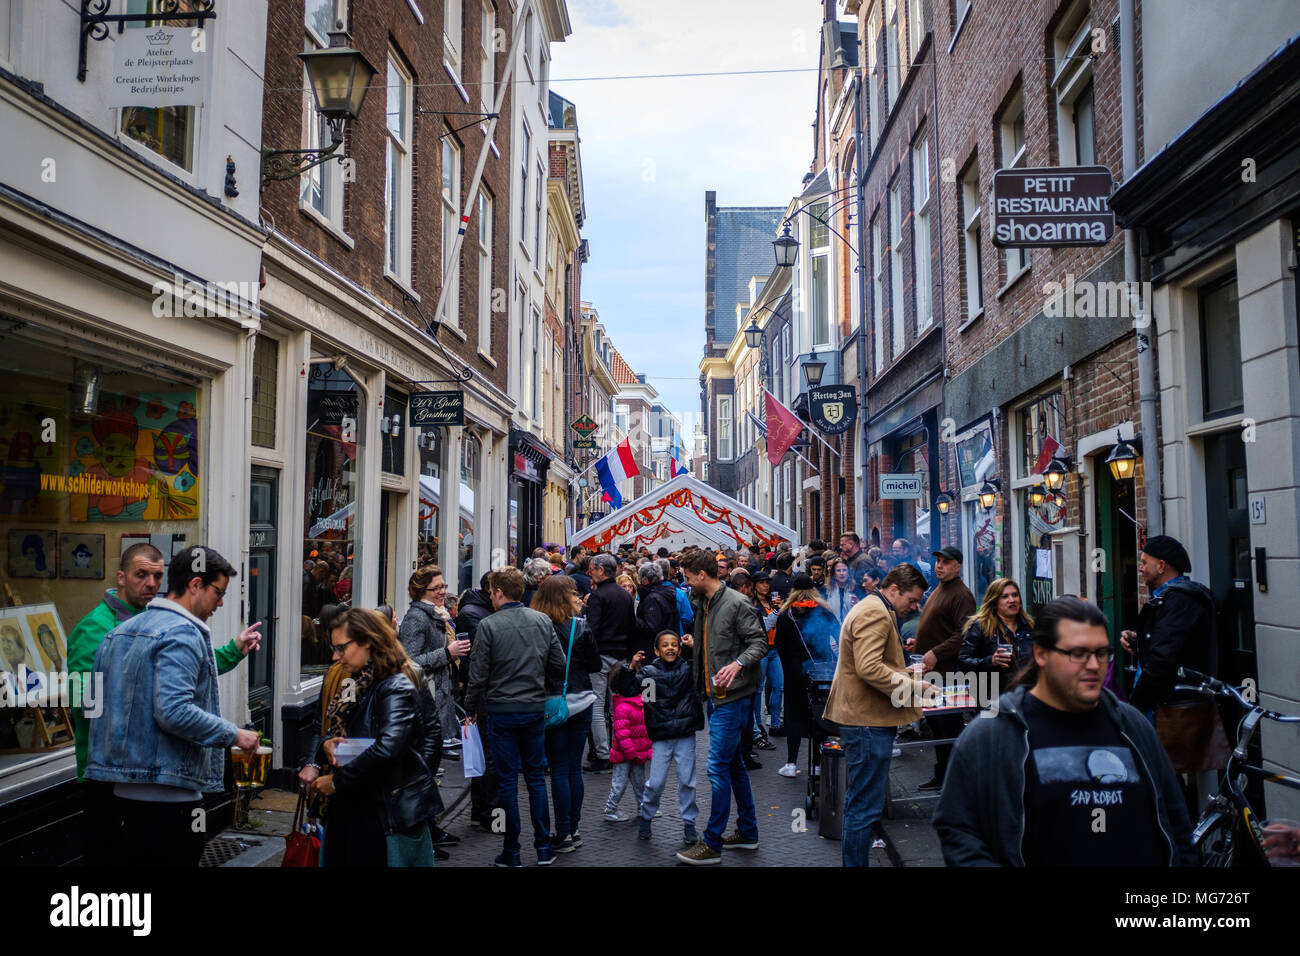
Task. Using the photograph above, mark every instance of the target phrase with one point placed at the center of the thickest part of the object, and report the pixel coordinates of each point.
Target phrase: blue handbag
(557, 708)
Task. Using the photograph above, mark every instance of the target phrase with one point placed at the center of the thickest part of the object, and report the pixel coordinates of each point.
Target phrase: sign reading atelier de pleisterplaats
(158, 66)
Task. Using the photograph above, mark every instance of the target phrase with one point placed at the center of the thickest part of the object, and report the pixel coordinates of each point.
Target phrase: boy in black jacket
(673, 714)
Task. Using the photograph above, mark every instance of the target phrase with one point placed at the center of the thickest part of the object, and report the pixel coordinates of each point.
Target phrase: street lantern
(1054, 475)
(339, 78)
(943, 501)
(753, 334)
(989, 493)
(786, 248)
(1037, 495)
(813, 368)
(1123, 458)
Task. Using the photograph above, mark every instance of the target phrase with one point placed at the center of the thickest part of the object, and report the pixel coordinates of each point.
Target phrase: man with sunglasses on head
(1063, 773)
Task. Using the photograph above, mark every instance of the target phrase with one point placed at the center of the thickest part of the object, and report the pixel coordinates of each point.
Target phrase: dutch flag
(615, 468)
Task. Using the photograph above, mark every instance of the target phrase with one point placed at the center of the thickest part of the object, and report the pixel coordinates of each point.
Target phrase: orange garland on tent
(704, 510)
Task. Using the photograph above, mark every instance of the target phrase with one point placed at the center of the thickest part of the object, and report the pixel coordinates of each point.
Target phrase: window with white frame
(544, 81)
(484, 272)
(897, 333)
(877, 293)
(1071, 85)
(875, 82)
(855, 286)
(538, 219)
(488, 62)
(397, 183)
(530, 31)
(819, 243)
(524, 150)
(891, 52)
(1014, 155)
(452, 33)
(521, 296)
(535, 392)
(450, 227)
(169, 131)
(787, 337)
(321, 187)
(973, 241)
(915, 27)
(921, 232)
(724, 427)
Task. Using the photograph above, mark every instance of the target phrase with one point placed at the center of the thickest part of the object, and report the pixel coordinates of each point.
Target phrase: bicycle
(1229, 832)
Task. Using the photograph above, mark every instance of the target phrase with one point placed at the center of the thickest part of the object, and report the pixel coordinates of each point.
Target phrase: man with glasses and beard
(1063, 774)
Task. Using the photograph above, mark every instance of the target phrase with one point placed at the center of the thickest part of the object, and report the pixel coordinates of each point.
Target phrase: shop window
(95, 456)
(1040, 431)
(331, 545)
(266, 358)
(471, 465)
(429, 443)
(1220, 349)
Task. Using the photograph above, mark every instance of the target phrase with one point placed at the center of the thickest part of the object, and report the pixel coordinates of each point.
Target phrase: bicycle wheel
(1216, 846)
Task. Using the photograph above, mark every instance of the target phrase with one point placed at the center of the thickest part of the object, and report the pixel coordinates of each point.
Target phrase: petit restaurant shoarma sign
(1065, 206)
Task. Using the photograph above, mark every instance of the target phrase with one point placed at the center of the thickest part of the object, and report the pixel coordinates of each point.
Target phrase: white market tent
(681, 512)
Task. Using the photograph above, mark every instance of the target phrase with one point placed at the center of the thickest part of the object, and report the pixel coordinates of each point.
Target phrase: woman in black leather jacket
(380, 801)
(999, 636)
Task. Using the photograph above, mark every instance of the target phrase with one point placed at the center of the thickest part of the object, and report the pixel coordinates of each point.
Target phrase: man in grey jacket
(729, 644)
(1063, 774)
(515, 652)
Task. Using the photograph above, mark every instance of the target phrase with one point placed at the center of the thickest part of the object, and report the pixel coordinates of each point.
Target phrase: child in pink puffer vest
(629, 752)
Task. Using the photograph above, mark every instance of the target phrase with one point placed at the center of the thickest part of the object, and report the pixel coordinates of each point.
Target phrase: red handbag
(302, 848)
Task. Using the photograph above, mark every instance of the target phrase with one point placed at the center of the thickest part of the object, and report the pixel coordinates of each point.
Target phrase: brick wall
(379, 27)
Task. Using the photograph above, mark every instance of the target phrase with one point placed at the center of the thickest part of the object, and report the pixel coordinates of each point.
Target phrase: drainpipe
(863, 291)
(1146, 339)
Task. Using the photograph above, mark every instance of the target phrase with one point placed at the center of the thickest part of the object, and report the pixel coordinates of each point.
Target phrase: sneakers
(443, 838)
(545, 855)
(734, 841)
(751, 763)
(934, 783)
(613, 816)
(689, 836)
(789, 770)
(576, 839)
(764, 743)
(700, 855)
(510, 860)
(563, 846)
(897, 753)
(642, 828)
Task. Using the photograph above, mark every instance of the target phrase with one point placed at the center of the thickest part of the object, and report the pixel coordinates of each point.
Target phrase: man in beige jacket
(872, 695)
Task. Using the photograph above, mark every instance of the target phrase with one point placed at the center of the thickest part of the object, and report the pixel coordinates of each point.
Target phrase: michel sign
(1065, 206)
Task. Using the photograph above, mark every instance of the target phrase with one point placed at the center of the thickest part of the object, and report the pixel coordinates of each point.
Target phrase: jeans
(681, 749)
(564, 756)
(727, 773)
(627, 772)
(771, 677)
(600, 729)
(867, 753)
(518, 741)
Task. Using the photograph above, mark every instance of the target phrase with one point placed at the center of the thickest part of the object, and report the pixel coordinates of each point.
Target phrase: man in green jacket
(729, 644)
(138, 578)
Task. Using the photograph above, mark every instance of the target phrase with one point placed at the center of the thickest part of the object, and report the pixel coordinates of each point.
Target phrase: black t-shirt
(1079, 764)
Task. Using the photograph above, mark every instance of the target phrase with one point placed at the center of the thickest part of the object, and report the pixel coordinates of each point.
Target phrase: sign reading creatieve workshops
(1063, 206)
(900, 486)
(437, 409)
(833, 408)
(158, 66)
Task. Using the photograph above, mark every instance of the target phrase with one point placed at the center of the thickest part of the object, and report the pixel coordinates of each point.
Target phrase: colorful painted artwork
(47, 634)
(30, 453)
(137, 459)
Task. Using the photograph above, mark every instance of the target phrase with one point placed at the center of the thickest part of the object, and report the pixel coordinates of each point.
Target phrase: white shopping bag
(472, 761)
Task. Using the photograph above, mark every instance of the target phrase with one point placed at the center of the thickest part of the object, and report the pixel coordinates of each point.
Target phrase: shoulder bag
(557, 707)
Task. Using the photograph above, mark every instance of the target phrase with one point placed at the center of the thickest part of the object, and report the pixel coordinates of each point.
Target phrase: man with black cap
(938, 637)
(1176, 629)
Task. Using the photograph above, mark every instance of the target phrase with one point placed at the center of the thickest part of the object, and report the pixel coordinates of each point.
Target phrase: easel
(56, 731)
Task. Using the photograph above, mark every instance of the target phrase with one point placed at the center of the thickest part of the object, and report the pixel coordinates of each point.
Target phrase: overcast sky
(651, 148)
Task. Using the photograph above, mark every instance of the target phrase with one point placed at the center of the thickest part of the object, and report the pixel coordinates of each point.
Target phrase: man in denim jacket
(160, 737)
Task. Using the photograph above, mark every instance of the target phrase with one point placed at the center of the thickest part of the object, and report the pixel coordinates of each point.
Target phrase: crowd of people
(625, 658)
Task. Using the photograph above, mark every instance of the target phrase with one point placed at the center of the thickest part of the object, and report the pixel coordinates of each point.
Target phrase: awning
(681, 512)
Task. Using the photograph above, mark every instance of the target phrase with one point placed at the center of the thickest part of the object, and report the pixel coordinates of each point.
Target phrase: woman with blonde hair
(381, 800)
(999, 635)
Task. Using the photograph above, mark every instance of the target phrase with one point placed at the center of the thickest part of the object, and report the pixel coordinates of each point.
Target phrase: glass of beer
(250, 770)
